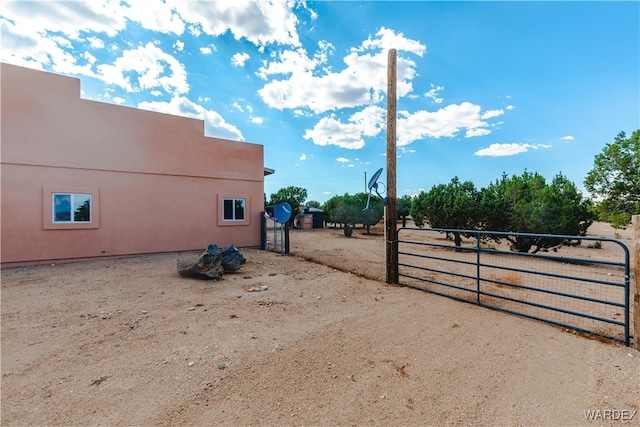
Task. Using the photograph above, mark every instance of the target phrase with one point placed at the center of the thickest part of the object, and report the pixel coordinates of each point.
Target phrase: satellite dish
(373, 182)
(373, 186)
(282, 212)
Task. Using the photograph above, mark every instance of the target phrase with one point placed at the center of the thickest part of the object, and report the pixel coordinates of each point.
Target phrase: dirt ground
(285, 341)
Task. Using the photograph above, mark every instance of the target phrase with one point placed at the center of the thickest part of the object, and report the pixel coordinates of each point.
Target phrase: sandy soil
(129, 342)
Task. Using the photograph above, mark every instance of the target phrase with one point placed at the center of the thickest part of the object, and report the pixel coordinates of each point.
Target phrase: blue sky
(483, 87)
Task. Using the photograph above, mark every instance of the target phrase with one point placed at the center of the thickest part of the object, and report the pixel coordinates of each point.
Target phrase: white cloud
(215, 125)
(491, 113)
(318, 94)
(151, 67)
(470, 133)
(342, 160)
(447, 121)
(205, 50)
(303, 157)
(95, 43)
(108, 17)
(248, 110)
(24, 47)
(106, 95)
(500, 150)
(510, 107)
(388, 39)
(331, 131)
(363, 81)
(567, 138)
(302, 113)
(194, 30)
(433, 94)
(260, 22)
(325, 50)
(118, 100)
(160, 17)
(35, 33)
(239, 59)
(291, 62)
(89, 58)
(26, 42)
(67, 17)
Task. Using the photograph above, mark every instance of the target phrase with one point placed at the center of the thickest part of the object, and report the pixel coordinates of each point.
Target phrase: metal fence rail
(580, 293)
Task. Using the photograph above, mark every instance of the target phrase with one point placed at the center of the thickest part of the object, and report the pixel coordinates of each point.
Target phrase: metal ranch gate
(584, 294)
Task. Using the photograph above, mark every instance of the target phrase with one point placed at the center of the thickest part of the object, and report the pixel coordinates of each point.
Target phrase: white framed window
(71, 207)
(233, 209)
(68, 208)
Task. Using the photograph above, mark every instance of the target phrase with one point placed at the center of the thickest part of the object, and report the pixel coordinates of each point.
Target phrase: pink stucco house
(84, 179)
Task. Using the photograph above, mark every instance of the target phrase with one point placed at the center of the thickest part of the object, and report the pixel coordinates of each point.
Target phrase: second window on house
(71, 207)
(233, 209)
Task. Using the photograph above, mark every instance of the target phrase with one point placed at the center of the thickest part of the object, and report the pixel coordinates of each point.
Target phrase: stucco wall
(158, 179)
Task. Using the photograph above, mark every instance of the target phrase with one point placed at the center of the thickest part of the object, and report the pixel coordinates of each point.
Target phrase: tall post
(286, 238)
(635, 223)
(392, 214)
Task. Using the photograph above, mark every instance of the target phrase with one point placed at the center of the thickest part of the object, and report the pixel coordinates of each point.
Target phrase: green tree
(329, 207)
(403, 208)
(347, 210)
(418, 209)
(527, 204)
(347, 214)
(615, 179)
(605, 213)
(454, 205)
(295, 196)
(494, 205)
(568, 211)
(312, 204)
(373, 215)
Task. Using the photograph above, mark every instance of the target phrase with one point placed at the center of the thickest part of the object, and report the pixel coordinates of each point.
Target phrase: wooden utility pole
(635, 223)
(391, 222)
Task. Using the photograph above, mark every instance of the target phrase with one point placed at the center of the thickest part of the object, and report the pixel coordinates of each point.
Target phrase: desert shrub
(528, 204)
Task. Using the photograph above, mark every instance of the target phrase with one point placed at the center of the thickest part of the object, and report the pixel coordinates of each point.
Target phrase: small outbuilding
(317, 217)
